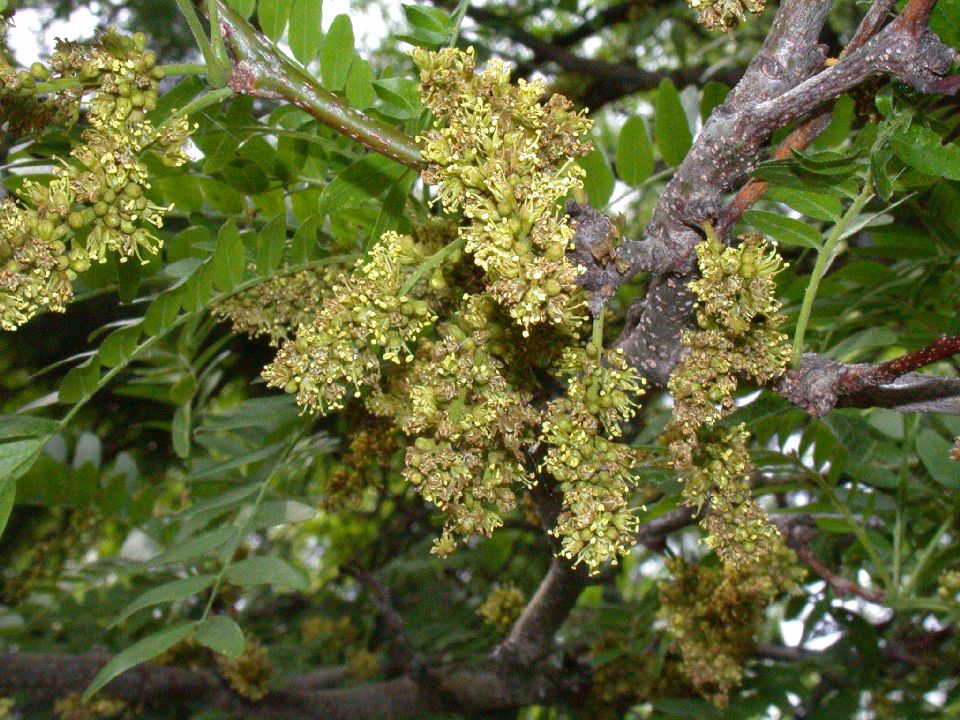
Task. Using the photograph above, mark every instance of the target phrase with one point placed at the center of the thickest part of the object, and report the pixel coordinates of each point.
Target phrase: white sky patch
(30, 42)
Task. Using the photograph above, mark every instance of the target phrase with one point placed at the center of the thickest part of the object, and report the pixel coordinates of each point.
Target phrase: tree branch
(821, 384)
(261, 70)
(46, 677)
(785, 82)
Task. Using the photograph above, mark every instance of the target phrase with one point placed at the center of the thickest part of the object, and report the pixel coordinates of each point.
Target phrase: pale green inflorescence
(501, 608)
(448, 336)
(593, 469)
(504, 160)
(713, 613)
(96, 202)
(363, 319)
(725, 14)
(738, 335)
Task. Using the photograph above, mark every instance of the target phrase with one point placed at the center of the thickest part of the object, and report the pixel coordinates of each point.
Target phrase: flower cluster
(370, 313)
(623, 675)
(470, 424)
(738, 336)
(362, 664)
(457, 329)
(501, 608)
(948, 586)
(363, 463)
(714, 611)
(592, 469)
(249, 674)
(505, 160)
(23, 110)
(124, 71)
(725, 14)
(73, 707)
(276, 307)
(96, 202)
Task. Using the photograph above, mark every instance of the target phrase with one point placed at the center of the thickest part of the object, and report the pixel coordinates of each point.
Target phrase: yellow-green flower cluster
(738, 336)
(593, 470)
(96, 202)
(713, 613)
(725, 14)
(365, 462)
(501, 608)
(276, 307)
(73, 707)
(948, 586)
(738, 528)
(249, 674)
(505, 160)
(623, 675)
(362, 664)
(471, 424)
(125, 73)
(23, 109)
(368, 315)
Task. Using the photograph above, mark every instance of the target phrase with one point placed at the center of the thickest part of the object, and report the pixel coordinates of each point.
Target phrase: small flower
(501, 608)
(249, 674)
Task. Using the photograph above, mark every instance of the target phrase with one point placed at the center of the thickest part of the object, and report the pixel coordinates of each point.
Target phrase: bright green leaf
(8, 494)
(360, 91)
(167, 593)
(282, 512)
(634, 153)
(271, 243)
(337, 53)
(670, 127)
(305, 33)
(273, 15)
(785, 230)
(921, 149)
(229, 258)
(599, 181)
(195, 547)
(268, 570)
(244, 7)
(180, 430)
(138, 653)
(222, 635)
(934, 451)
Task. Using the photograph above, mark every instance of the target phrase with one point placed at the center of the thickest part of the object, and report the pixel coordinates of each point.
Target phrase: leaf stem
(825, 257)
(429, 264)
(199, 35)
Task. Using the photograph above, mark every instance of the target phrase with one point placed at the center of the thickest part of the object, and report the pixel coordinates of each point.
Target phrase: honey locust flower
(249, 674)
(73, 707)
(505, 160)
(713, 614)
(367, 316)
(470, 426)
(96, 203)
(725, 14)
(738, 335)
(501, 608)
(592, 470)
(275, 308)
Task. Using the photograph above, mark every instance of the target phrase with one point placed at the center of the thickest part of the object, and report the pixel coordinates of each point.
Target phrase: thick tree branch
(785, 82)
(47, 677)
(821, 384)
